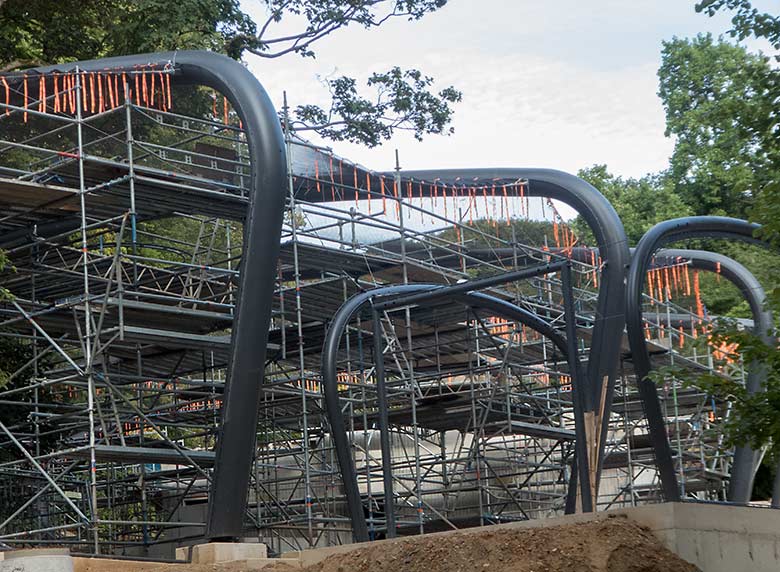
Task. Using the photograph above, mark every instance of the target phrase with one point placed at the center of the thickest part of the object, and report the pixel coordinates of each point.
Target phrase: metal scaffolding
(122, 223)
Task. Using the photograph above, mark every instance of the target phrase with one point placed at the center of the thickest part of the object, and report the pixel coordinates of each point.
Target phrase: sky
(561, 84)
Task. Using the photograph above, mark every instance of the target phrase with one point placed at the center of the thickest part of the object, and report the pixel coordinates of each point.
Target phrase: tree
(37, 33)
(747, 21)
(718, 101)
(640, 203)
(44, 32)
(323, 17)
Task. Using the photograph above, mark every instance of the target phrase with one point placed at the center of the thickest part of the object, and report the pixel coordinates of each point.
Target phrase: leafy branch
(323, 17)
(754, 418)
(403, 101)
(747, 20)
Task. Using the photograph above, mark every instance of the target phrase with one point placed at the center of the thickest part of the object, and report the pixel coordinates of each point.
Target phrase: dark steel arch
(260, 251)
(612, 245)
(745, 459)
(659, 235)
(330, 382)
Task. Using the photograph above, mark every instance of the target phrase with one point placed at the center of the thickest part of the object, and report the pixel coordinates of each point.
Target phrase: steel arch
(330, 381)
(260, 252)
(659, 235)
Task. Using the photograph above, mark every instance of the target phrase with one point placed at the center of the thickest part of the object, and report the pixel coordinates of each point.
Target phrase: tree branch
(16, 64)
(325, 20)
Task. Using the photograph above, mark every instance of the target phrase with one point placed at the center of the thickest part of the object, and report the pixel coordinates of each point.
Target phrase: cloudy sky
(562, 83)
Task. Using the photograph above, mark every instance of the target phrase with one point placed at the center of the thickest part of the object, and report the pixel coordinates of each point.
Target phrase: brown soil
(611, 545)
(615, 544)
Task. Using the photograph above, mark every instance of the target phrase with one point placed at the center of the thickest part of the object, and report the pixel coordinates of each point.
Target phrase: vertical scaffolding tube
(384, 426)
(87, 320)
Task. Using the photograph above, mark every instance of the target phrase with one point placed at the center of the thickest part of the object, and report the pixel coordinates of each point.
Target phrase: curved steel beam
(659, 235)
(612, 244)
(260, 251)
(744, 465)
(330, 374)
(745, 459)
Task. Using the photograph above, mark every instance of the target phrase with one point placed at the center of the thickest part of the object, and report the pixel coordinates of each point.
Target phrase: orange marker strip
(650, 286)
(332, 182)
(697, 293)
(56, 85)
(101, 102)
(25, 98)
(355, 182)
(7, 95)
(168, 88)
(368, 190)
(110, 87)
(144, 88)
(92, 92)
(42, 94)
(317, 173)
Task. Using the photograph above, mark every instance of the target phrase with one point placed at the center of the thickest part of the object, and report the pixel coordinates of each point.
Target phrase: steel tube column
(744, 464)
(659, 235)
(262, 229)
(330, 374)
(580, 399)
(743, 467)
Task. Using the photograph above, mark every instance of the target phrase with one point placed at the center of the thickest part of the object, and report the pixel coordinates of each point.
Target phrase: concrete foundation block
(216, 552)
(259, 564)
(37, 560)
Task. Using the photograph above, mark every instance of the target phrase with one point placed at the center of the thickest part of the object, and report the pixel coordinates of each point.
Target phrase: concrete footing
(218, 552)
(37, 560)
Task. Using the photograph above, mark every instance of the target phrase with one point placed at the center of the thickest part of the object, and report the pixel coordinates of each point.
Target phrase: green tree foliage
(37, 33)
(717, 98)
(45, 32)
(755, 418)
(640, 203)
(322, 17)
(403, 101)
(747, 20)
(720, 102)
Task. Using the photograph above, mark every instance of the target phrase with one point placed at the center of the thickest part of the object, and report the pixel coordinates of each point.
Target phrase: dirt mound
(611, 545)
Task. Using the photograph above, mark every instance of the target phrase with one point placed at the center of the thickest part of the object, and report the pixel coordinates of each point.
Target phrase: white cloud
(562, 84)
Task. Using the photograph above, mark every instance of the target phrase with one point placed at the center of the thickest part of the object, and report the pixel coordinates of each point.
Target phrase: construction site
(439, 352)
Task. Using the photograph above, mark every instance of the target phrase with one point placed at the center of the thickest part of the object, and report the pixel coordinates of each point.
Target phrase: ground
(611, 545)
(615, 544)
